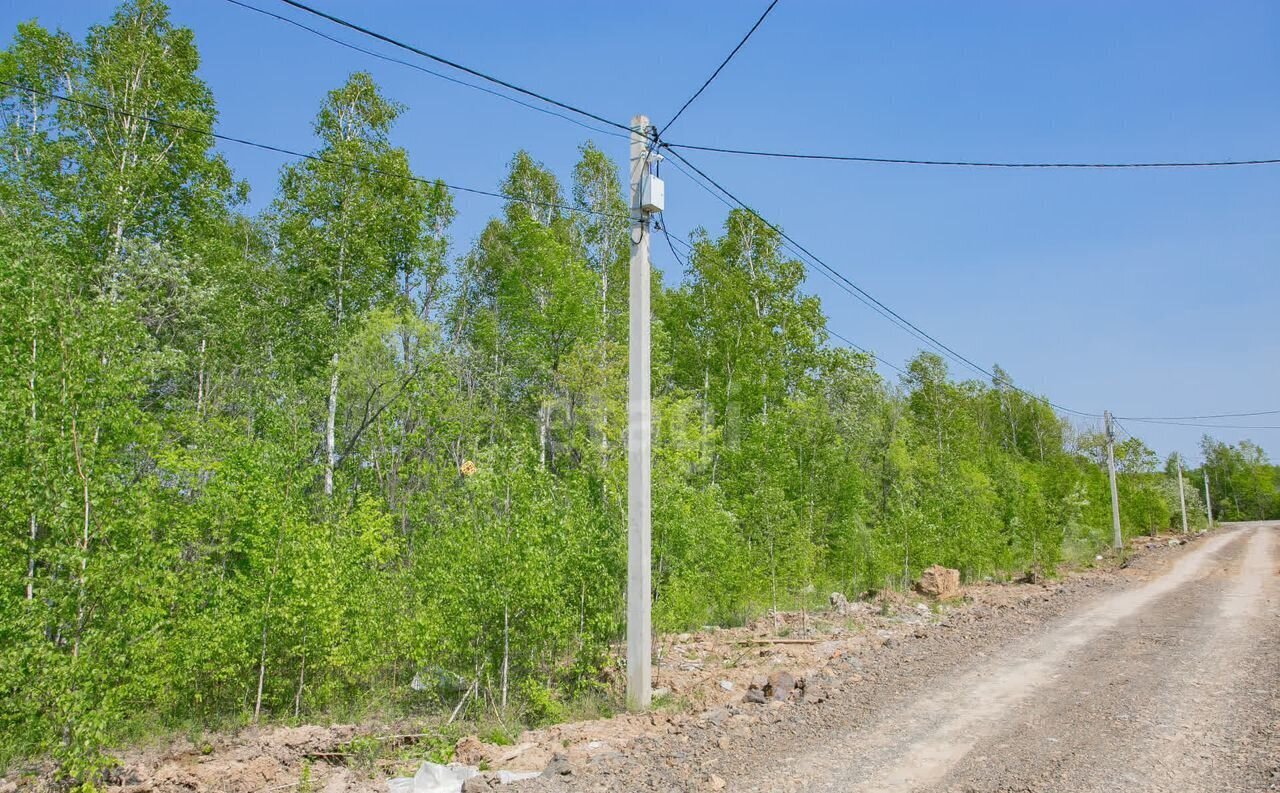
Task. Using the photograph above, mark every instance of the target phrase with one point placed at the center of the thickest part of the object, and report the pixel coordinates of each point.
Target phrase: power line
(865, 351)
(699, 183)
(828, 330)
(292, 153)
(786, 244)
(827, 272)
(453, 64)
(1208, 426)
(683, 244)
(868, 296)
(803, 261)
(1210, 416)
(843, 283)
(968, 163)
(331, 161)
(421, 68)
(1119, 426)
(747, 152)
(840, 283)
(663, 226)
(830, 272)
(723, 64)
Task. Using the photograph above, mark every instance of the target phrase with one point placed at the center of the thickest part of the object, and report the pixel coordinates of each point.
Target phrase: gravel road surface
(1167, 679)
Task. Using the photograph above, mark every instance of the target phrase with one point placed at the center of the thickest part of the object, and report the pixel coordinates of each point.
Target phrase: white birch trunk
(506, 651)
(331, 415)
(33, 528)
(331, 412)
(200, 380)
(262, 652)
(544, 420)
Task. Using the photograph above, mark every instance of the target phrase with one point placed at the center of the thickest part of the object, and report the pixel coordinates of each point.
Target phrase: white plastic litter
(436, 778)
(433, 778)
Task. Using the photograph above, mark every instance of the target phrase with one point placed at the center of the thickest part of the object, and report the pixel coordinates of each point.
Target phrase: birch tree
(347, 225)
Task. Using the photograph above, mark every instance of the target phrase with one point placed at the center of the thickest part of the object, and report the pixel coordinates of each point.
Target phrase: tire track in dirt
(917, 745)
(1157, 702)
(887, 700)
(1221, 702)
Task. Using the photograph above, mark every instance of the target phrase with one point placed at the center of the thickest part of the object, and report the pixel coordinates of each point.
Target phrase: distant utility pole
(1182, 494)
(646, 198)
(1116, 540)
(1208, 508)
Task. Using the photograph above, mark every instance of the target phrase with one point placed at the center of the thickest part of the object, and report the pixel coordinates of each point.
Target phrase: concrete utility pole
(1182, 494)
(1116, 541)
(639, 641)
(1208, 508)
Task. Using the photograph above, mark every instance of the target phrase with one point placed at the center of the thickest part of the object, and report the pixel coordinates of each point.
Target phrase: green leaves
(284, 466)
(1243, 484)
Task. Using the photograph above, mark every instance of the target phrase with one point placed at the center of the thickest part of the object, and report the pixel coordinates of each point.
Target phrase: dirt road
(1167, 681)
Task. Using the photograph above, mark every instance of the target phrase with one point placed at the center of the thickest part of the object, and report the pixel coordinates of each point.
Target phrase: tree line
(326, 460)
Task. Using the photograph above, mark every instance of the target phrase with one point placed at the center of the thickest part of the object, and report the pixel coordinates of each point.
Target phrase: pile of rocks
(781, 686)
(839, 603)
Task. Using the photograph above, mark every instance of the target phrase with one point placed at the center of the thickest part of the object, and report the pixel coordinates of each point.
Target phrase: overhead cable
(837, 274)
(293, 153)
(452, 64)
(829, 331)
(1196, 418)
(423, 69)
(969, 163)
(719, 68)
(865, 351)
(787, 245)
(670, 244)
(1208, 426)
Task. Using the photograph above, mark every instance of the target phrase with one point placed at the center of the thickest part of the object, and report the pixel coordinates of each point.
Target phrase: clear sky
(1150, 293)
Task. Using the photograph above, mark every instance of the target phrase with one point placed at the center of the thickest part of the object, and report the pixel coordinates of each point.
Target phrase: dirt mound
(242, 762)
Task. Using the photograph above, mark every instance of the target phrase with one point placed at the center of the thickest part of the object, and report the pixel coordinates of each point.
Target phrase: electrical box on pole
(652, 194)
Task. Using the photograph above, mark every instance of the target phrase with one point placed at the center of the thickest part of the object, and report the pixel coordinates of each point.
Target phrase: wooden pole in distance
(1182, 495)
(1116, 540)
(1208, 508)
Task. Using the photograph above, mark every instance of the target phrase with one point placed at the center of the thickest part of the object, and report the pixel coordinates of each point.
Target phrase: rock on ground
(940, 582)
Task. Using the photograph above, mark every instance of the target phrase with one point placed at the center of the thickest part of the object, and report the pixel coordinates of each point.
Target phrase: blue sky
(1145, 292)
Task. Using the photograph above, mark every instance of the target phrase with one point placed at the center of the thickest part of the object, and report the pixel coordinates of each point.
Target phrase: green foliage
(540, 705)
(362, 753)
(305, 783)
(497, 735)
(1243, 484)
(312, 465)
